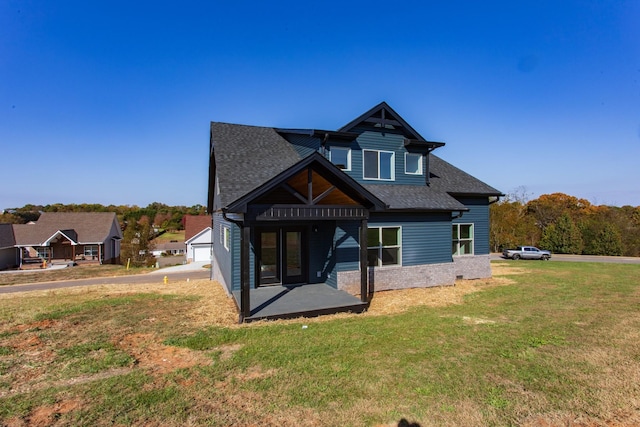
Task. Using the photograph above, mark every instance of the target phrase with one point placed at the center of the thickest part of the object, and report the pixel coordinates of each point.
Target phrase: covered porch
(286, 242)
(291, 301)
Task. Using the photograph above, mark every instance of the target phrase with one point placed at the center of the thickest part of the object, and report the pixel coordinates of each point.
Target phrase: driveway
(179, 272)
(582, 258)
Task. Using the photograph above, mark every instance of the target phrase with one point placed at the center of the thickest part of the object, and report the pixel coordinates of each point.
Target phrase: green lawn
(559, 346)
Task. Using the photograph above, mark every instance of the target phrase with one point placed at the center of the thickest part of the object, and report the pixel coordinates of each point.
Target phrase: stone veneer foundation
(419, 276)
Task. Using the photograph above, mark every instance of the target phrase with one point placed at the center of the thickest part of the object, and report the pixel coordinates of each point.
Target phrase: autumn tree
(562, 237)
(136, 243)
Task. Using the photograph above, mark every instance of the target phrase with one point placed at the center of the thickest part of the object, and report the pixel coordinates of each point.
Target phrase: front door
(281, 255)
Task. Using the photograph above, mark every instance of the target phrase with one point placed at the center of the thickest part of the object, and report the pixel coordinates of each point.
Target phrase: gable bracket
(293, 191)
(323, 195)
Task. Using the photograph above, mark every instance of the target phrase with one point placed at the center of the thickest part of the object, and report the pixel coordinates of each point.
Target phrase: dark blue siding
(426, 237)
(347, 247)
(385, 142)
(304, 144)
(222, 256)
(478, 215)
(322, 254)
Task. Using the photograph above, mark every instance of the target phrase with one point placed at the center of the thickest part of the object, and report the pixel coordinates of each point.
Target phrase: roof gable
(194, 224)
(350, 192)
(382, 117)
(203, 236)
(88, 227)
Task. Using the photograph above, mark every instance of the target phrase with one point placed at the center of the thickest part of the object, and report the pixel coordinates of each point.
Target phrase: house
(8, 251)
(171, 248)
(69, 236)
(323, 214)
(198, 238)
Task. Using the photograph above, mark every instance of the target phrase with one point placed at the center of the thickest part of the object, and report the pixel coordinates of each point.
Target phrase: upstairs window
(413, 164)
(341, 157)
(378, 165)
(462, 239)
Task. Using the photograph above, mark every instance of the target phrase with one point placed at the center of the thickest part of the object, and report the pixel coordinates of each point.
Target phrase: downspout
(459, 215)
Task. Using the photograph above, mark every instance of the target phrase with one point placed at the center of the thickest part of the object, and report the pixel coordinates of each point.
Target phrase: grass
(558, 345)
(169, 236)
(70, 273)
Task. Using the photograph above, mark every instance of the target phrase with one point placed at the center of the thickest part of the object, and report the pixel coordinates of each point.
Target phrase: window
(413, 163)
(462, 239)
(225, 237)
(44, 252)
(383, 246)
(91, 251)
(341, 157)
(378, 165)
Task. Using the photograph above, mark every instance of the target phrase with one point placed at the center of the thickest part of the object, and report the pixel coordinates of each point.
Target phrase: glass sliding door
(281, 255)
(294, 256)
(269, 257)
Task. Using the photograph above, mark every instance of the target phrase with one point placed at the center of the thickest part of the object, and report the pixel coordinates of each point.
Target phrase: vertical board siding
(478, 215)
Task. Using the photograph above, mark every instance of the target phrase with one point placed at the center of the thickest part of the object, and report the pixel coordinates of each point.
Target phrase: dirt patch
(158, 358)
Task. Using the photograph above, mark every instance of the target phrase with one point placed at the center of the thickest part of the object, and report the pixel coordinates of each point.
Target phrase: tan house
(69, 236)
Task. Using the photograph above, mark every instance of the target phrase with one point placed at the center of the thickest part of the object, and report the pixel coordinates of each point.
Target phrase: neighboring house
(198, 238)
(365, 208)
(70, 236)
(9, 255)
(171, 248)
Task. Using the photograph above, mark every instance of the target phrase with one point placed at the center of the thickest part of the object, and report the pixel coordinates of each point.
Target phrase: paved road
(155, 277)
(583, 258)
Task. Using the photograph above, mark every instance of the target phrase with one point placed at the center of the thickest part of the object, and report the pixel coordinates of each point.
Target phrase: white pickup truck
(526, 252)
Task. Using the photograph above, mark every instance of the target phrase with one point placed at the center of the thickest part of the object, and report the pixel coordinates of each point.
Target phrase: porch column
(245, 287)
(364, 289)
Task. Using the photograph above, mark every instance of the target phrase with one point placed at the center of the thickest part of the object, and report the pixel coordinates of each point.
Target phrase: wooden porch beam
(310, 186)
(245, 287)
(323, 195)
(293, 191)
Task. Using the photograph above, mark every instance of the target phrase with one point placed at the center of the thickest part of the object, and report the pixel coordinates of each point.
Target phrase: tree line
(158, 215)
(565, 224)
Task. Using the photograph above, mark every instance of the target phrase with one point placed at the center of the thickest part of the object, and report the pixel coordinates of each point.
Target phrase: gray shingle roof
(414, 197)
(448, 178)
(90, 227)
(248, 156)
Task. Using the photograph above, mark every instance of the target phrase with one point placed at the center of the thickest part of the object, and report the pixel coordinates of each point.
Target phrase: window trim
(45, 252)
(91, 252)
(348, 150)
(420, 165)
(393, 165)
(380, 246)
(458, 241)
(226, 236)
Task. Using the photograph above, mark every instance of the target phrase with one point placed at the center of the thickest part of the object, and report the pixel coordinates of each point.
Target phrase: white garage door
(201, 253)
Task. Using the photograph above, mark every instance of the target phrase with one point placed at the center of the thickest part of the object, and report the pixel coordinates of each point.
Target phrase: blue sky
(110, 102)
